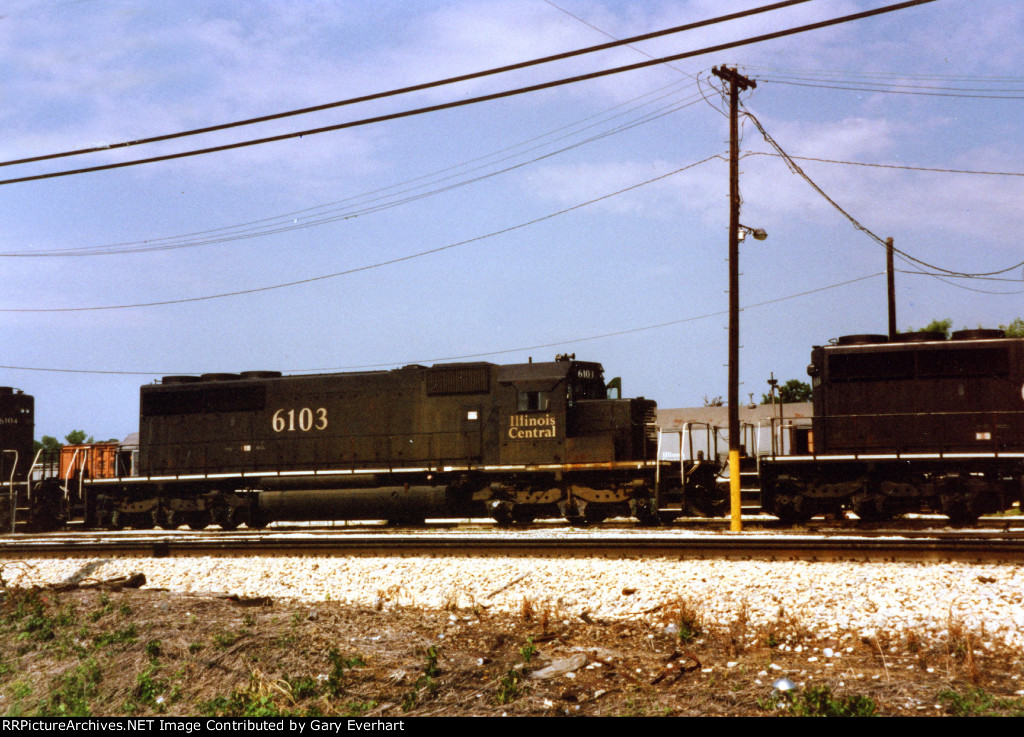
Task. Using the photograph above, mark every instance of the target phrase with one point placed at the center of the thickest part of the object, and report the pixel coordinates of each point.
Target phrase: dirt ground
(139, 652)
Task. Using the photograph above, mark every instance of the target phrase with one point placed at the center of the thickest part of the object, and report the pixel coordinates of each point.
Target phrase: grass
(425, 685)
(340, 667)
(688, 620)
(976, 702)
(819, 701)
(72, 691)
(145, 659)
(510, 687)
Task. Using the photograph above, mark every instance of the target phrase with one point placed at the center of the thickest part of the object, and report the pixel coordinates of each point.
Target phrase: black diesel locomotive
(516, 442)
(920, 423)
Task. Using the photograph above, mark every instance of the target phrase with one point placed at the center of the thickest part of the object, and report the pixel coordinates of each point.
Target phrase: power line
(291, 221)
(796, 169)
(380, 264)
(886, 75)
(639, 51)
(411, 88)
(568, 341)
(889, 91)
(960, 286)
(478, 99)
(605, 33)
(944, 278)
(891, 85)
(890, 166)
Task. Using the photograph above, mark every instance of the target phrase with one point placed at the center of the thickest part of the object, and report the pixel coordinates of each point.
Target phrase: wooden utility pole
(737, 83)
(891, 279)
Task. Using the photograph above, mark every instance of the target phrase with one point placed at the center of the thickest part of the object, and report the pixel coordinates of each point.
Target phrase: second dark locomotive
(919, 423)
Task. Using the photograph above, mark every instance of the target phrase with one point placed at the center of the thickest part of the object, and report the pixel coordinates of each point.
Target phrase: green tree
(793, 390)
(49, 443)
(52, 446)
(1015, 329)
(935, 326)
(77, 437)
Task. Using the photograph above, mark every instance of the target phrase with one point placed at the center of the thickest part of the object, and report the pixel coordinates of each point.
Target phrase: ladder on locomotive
(15, 512)
(17, 508)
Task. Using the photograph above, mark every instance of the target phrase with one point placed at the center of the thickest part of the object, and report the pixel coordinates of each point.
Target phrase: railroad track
(975, 545)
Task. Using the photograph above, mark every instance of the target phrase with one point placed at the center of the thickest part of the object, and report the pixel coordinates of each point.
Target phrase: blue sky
(82, 74)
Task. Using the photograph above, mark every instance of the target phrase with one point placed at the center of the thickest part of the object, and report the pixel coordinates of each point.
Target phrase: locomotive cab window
(532, 401)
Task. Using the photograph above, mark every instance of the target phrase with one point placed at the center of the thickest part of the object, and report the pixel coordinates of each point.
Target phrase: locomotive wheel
(645, 513)
(704, 502)
(225, 515)
(594, 514)
(790, 511)
(140, 521)
(522, 516)
(412, 521)
(197, 520)
(870, 508)
(165, 519)
(572, 514)
(959, 509)
(256, 520)
(501, 512)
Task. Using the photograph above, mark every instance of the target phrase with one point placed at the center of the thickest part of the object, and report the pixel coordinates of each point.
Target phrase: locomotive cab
(560, 413)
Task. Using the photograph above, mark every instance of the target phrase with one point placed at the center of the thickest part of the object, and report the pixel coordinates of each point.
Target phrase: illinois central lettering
(527, 427)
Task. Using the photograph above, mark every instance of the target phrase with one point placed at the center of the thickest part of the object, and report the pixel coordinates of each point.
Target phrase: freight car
(516, 442)
(919, 423)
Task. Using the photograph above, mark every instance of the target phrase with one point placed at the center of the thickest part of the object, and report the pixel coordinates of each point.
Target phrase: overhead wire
(412, 88)
(483, 354)
(477, 99)
(368, 267)
(755, 69)
(363, 204)
(796, 169)
(890, 166)
(888, 90)
(944, 278)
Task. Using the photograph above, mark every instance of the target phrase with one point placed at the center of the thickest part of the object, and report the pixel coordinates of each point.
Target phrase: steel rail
(974, 548)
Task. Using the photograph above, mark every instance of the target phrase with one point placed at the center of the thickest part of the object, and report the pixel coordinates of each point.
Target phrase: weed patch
(425, 685)
(819, 701)
(976, 702)
(340, 666)
(72, 691)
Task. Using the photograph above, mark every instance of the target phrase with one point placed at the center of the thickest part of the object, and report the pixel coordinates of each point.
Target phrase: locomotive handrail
(13, 494)
(984, 413)
(945, 449)
(70, 472)
(748, 430)
(686, 430)
(35, 462)
(777, 425)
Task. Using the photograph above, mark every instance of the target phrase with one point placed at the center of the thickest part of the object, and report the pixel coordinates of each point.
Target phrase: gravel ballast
(827, 598)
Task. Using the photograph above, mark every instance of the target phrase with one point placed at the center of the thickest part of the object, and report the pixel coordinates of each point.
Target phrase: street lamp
(757, 233)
